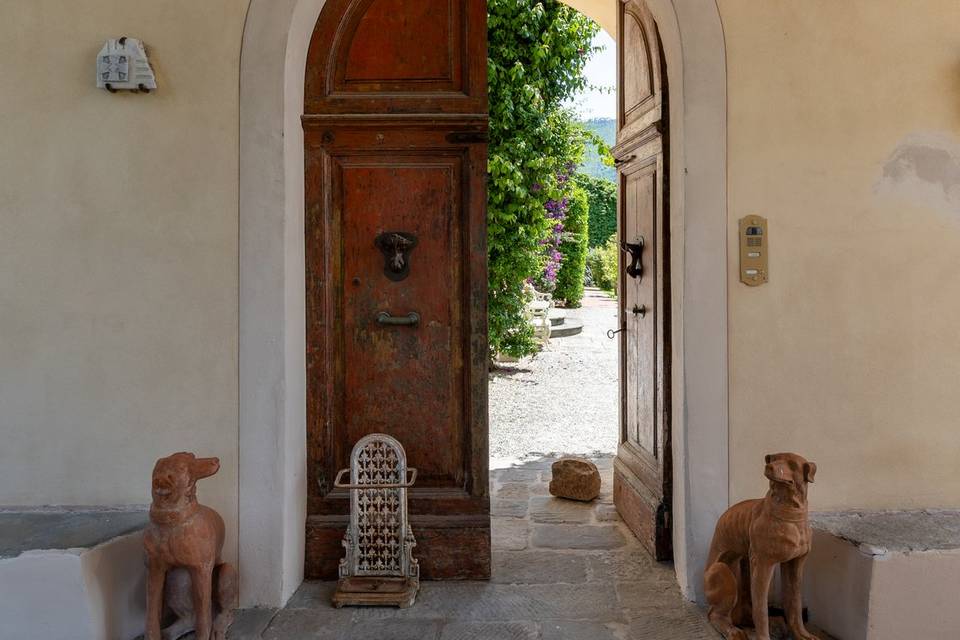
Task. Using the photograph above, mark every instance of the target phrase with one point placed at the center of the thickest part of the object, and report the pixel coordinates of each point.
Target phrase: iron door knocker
(396, 247)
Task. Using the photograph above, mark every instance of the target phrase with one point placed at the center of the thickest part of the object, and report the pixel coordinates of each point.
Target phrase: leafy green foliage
(574, 250)
(602, 266)
(537, 51)
(602, 195)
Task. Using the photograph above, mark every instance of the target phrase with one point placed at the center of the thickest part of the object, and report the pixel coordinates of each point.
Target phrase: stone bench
(72, 574)
(885, 575)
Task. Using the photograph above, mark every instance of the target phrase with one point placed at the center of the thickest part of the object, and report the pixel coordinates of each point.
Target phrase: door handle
(635, 250)
(410, 320)
(640, 310)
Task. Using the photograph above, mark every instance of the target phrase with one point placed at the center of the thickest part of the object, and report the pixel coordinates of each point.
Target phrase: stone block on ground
(575, 479)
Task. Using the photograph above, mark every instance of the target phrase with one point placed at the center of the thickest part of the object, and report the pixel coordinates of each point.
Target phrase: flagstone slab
(571, 536)
(514, 491)
(551, 510)
(516, 474)
(509, 534)
(539, 567)
(490, 631)
(508, 508)
(582, 630)
(249, 624)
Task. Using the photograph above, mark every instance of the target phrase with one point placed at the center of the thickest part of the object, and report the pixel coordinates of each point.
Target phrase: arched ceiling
(603, 11)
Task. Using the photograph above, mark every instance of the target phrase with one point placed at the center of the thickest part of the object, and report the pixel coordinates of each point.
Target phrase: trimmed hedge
(573, 248)
(602, 265)
(602, 196)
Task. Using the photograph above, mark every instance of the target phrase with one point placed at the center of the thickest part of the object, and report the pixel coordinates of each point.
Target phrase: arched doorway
(273, 473)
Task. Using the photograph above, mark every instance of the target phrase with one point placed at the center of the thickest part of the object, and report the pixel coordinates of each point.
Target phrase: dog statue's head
(175, 479)
(790, 471)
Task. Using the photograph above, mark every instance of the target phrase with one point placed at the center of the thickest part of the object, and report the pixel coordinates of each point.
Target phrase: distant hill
(592, 165)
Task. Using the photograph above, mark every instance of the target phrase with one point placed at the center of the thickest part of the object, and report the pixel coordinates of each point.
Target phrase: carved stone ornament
(183, 543)
(378, 568)
(122, 64)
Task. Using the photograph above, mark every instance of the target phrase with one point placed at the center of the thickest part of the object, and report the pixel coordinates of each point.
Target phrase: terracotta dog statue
(183, 542)
(751, 539)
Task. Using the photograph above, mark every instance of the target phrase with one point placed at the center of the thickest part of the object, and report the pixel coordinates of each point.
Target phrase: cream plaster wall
(844, 130)
(118, 252)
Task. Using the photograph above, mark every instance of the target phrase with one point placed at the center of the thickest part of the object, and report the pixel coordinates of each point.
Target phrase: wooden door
(642, 477)
(395, 158)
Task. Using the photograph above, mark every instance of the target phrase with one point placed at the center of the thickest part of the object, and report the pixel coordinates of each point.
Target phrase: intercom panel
(754, 247)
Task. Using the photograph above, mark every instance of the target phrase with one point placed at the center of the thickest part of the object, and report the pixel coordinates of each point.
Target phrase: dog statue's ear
(204, 467)
(809, 470)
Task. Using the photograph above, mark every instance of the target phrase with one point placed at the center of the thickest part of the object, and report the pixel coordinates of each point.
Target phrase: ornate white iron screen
(379, 541)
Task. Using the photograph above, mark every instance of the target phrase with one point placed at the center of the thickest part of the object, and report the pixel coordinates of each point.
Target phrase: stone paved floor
(563, 399)
(562, 570)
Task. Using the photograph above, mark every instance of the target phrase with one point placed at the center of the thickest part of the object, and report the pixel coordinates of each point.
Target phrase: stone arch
(272, 423)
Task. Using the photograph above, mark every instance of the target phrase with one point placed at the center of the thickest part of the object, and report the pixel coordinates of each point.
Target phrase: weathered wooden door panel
(642, 81)
(642, 478)
(398, 56)
(394, 127)
(640, 192)
(405, 379)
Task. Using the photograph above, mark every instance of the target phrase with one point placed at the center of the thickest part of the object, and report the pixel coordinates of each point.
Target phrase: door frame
(272, 372)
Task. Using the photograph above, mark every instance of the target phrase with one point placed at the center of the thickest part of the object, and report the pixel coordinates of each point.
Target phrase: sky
(601, 71)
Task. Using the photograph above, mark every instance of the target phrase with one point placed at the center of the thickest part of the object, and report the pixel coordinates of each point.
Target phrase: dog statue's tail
(226, 591)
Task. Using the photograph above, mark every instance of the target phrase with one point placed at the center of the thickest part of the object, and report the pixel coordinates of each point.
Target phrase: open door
(395, 122)
(643, 471)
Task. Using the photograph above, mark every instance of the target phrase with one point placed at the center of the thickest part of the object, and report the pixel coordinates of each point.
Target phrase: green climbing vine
(537, 52)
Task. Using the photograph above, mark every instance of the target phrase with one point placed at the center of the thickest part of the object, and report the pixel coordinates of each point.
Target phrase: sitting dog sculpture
(751, 539)
(183, 542)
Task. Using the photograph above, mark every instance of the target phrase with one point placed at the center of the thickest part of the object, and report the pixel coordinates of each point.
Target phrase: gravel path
(565, 398)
